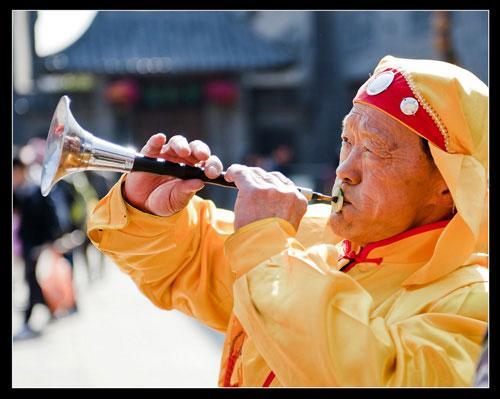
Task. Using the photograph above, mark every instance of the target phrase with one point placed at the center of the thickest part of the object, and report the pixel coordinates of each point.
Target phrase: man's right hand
(165, 195)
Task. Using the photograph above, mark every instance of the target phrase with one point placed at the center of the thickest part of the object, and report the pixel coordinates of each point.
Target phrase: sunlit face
(390, 184)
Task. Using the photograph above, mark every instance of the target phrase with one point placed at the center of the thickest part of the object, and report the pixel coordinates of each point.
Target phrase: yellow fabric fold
(458, 103)
(408, 321)
(170, 259)
(305, 321)
(465, 233)
(466, 179)
(317, 327)
(269, 235)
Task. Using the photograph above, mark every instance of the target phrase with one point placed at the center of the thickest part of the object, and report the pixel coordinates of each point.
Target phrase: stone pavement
(117, 339)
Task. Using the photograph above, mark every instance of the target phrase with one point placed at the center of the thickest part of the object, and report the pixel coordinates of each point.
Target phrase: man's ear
(444, 197)
(441, 193)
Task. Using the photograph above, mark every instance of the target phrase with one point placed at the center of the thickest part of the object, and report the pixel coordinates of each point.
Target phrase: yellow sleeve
(314, 227)
(315, 326)
(178, 262)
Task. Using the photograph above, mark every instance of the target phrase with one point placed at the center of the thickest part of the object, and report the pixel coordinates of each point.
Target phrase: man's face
(388, 179)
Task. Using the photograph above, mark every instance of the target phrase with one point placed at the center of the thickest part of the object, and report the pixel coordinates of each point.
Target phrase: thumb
(171, 197)
(190, 186)
(184, 191)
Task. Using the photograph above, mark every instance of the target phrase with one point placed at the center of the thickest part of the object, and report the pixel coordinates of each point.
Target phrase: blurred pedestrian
(64, 195)
(85, 197)
(281, 158)
(100, 184)
(67, 200)
(38, 225)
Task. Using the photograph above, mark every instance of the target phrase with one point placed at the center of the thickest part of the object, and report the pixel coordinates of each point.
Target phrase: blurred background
(265, 88)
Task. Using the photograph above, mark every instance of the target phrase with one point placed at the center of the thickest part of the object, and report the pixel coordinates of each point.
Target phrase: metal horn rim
(54, 146)
(70, 148)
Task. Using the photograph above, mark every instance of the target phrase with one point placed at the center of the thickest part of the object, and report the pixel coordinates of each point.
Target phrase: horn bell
(70, 148)
(66, 148)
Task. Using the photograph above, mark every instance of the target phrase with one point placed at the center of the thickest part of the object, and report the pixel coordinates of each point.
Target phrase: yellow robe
(290, 315)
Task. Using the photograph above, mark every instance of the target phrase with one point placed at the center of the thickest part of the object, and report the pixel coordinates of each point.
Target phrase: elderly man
(389, 290)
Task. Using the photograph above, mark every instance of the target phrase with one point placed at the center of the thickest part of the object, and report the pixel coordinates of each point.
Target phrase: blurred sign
(68, 82)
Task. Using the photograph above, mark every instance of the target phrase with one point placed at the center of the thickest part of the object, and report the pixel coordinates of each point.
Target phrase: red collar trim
(363, 254)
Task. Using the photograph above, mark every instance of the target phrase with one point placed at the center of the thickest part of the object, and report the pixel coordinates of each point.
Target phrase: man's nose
(349, 169)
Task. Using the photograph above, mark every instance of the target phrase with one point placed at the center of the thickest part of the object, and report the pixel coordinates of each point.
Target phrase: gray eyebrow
(344, 119)
(367, 127)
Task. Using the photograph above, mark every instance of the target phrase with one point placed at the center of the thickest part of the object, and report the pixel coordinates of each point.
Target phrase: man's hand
(265, 194)
(165, 195)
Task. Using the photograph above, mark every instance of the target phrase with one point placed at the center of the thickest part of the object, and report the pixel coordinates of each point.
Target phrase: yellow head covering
(455, 102)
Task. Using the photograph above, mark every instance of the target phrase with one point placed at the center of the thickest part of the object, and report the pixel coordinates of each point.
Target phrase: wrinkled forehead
(366, 120)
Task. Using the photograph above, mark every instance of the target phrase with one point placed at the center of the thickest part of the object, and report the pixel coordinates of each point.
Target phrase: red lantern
(222, 92)
(123, 92)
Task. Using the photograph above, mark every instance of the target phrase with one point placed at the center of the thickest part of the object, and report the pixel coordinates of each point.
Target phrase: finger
(185, 190)
(154, 145)
(266, 178)
(190, 186)
(233, 172)
(199, 150)
(213, 167)
(245, 178)
(177, 146)
(180, 151)
(282, 178)
(178, 197)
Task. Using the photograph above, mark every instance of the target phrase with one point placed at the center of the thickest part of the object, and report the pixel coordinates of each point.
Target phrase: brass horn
(70, 148)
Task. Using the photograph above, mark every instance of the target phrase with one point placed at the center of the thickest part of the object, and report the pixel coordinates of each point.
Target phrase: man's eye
(345, 140)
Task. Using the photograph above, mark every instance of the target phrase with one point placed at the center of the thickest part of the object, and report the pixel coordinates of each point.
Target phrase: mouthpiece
(337, 196)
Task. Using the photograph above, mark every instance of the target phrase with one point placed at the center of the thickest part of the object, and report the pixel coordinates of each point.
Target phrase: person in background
(101, 183)
(64, 195)
(278, 160)
(38, 225)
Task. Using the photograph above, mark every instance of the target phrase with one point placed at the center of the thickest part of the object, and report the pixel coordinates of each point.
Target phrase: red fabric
(355, 258)
(237, 338)
(269, 379)
(389, 101)
(362, 257)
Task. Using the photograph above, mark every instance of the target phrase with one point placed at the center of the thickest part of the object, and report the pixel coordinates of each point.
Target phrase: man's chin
(340, 225)
(346, 224)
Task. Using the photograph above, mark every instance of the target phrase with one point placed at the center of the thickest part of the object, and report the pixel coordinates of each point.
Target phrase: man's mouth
(337, 197)
(345, 197)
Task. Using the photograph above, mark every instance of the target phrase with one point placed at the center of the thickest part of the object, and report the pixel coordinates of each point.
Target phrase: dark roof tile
(169, 42)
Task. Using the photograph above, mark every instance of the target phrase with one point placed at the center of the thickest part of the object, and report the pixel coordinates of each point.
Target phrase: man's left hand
(265, 194)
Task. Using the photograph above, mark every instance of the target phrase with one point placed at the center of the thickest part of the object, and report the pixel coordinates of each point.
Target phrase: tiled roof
(143, 42)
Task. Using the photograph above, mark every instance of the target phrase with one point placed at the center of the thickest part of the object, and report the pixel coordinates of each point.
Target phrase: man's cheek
(378, 196)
